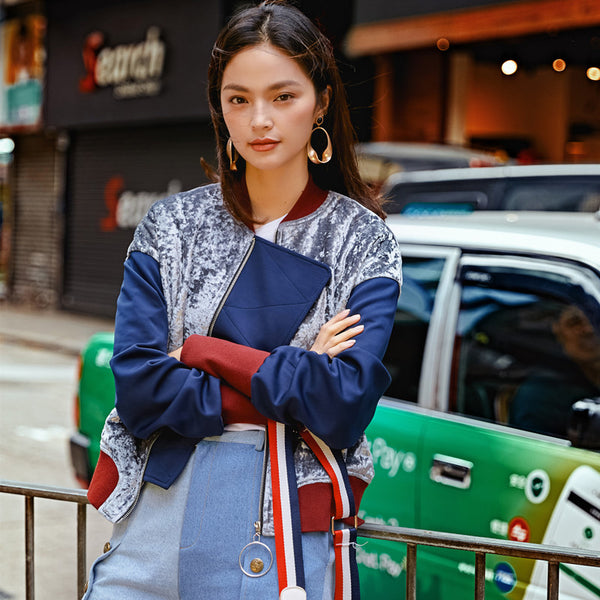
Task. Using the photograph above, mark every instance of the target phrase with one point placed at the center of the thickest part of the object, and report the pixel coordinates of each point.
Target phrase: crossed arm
(334, 337)
(332, 390)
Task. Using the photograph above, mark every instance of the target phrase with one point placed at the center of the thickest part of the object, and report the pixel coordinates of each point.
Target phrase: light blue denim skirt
(184, 543)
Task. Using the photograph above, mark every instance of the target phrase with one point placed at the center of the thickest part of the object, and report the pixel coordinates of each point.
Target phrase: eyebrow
(275, 86)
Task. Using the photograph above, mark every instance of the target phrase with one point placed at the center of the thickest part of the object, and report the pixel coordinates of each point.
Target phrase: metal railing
(553, 555)
(30, 492)
(480, 546)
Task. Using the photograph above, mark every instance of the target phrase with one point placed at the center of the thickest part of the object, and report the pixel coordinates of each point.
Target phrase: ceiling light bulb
(559, 65)
(593, 73)
(509, 67)
(443, 44)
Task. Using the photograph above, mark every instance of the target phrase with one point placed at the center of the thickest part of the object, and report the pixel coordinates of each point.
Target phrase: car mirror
(584, 424)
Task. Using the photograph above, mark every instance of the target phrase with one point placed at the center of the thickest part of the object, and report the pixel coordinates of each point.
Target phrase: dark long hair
(289, 30)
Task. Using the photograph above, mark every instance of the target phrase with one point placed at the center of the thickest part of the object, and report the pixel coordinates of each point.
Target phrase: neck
(273, 193)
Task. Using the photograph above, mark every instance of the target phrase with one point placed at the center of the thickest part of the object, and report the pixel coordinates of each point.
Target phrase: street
(36, 420)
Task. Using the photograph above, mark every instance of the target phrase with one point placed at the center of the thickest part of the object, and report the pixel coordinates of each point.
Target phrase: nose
(261, 117)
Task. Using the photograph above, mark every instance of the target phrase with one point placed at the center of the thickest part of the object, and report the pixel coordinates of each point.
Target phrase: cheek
(303, 121)
(232, 121)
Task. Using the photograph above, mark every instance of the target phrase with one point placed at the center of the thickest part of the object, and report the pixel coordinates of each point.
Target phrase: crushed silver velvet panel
(199, 247)
(130, 456)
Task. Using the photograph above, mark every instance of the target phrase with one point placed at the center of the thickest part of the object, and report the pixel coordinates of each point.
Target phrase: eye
(237, 100)
(283, 97)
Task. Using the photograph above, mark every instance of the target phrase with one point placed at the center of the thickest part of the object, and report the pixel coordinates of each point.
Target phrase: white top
(268, 231)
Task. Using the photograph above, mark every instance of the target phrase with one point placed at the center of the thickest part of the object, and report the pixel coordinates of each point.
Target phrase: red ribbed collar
(310, 199)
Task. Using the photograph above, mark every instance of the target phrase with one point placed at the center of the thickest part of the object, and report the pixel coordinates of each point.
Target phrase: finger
(348, 333)
(176, 353)
(335, 350)
(338, 317)
(333, 328)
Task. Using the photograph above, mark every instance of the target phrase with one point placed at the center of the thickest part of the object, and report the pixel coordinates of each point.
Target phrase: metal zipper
(263, 480)
(210, 330)
(233, 282)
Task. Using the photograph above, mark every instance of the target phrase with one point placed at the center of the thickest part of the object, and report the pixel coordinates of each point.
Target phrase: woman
(239, 315)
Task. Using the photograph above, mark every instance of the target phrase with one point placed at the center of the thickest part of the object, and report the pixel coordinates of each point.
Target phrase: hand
(335, 336)
(176, 353)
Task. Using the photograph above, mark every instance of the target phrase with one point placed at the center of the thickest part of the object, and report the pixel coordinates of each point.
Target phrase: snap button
(256, 565)
(107, 547)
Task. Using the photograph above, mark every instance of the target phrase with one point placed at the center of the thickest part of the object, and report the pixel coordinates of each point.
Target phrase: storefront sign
(126, 208)
(128, 62)
(131, 70)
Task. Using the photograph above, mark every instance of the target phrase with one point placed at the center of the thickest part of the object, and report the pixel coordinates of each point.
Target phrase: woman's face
(269, 105)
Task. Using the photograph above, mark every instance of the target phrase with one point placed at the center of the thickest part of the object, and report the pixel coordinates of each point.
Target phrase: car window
(443, 202)
(565, 194)
(404, 356)
(415, 199)
(527, 345)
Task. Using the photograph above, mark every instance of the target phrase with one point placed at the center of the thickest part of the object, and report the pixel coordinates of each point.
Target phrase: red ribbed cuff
(237, 408)
(233, 363)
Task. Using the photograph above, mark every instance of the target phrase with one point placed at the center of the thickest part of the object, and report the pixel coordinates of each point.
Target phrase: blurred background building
(103, 109)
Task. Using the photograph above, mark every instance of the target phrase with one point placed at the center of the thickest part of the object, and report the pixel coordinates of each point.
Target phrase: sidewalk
(51, 329)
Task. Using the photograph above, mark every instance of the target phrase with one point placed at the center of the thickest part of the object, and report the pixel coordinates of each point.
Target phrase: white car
(491, 425)
(562, 187)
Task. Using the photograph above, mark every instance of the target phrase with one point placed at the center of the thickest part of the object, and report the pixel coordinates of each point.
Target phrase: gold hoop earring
(312, 153)
(231, 155)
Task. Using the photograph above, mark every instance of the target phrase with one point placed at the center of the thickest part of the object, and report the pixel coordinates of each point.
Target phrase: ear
(323, 102)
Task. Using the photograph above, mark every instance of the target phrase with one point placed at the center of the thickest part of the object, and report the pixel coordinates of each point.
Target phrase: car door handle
(451, 471)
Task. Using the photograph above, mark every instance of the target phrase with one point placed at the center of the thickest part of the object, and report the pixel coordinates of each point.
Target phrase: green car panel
(96, 393)
(516, 482)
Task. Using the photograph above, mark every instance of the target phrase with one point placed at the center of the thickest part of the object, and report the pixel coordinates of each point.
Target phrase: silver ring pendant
(263, 569)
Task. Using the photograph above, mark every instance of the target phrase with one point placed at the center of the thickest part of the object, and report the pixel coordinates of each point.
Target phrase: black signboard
(129, 61)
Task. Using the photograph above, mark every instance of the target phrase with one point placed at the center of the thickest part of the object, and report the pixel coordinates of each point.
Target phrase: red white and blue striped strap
(286, 508)
(344, 540)
(286, 513)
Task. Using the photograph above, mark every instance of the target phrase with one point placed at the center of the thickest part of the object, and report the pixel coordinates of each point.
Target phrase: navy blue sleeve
(334, 398)
(154, 390)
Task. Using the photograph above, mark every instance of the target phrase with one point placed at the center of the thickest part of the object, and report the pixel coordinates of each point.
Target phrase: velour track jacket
(247, 310)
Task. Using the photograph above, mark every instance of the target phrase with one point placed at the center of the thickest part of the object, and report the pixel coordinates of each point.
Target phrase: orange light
(593, 73)
(559, 65)
(443, 44)
(509, 67)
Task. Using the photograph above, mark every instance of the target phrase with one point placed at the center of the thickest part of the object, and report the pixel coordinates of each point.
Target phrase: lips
(263, 144)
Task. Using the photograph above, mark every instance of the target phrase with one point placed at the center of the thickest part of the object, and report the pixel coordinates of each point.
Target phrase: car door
(499, 463)
(396, 432)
